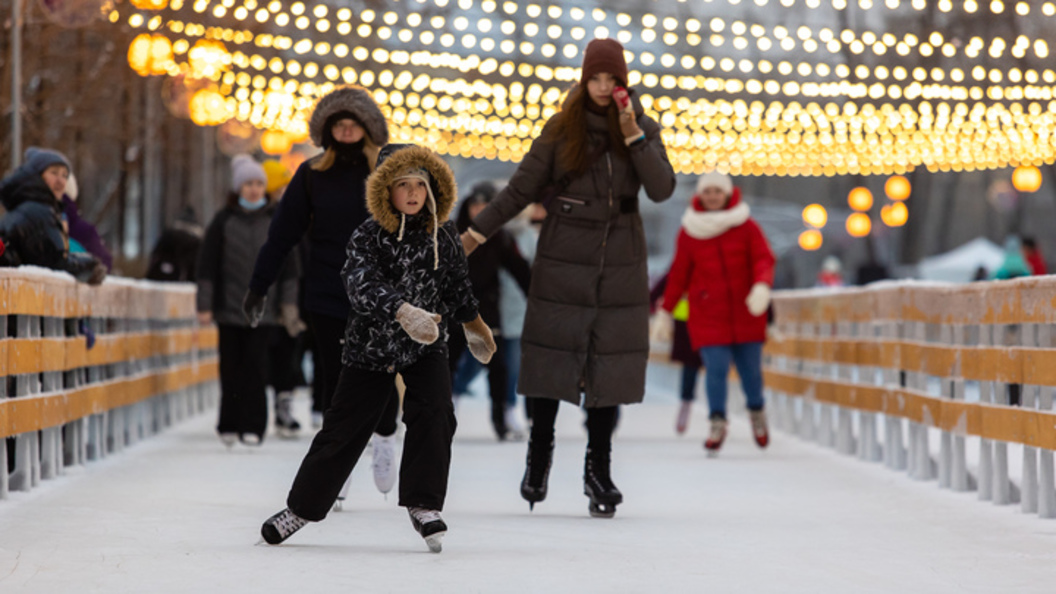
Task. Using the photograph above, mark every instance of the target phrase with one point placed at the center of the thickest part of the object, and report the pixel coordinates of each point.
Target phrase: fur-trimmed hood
(356, 100)
(393, 160)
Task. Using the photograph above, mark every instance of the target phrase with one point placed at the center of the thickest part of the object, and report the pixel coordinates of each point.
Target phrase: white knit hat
(714, 179)
(245, 168)
(422, 173)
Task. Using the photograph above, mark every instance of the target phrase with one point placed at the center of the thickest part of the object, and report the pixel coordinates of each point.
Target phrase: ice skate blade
(339, 505)
(601, 510)
(433, 542)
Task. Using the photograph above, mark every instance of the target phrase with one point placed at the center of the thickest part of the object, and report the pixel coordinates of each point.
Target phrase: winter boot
(536, 472)
(598, 486)
(682, 421)
(285, 424)
(716, 436)
(229, 439)
(430, 525)
(384, 464)
(281, 526)
(759, 430)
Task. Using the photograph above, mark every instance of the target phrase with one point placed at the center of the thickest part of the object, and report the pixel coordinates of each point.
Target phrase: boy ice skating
(406, 276)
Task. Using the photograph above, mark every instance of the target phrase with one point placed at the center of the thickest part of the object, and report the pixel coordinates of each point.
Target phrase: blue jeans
(689, 382)
(468, 369)
(748, 357)
(513, 368)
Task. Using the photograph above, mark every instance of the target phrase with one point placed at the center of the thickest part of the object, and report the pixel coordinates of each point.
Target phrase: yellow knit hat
(278, 175)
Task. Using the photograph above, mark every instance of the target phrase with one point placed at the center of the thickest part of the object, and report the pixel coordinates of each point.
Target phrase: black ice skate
(536, 473)
(430, 525)
(598, 486)
(281, 526)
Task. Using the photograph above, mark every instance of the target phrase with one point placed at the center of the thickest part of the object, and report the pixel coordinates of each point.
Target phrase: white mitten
(480, 340)
(662, 328)
(419, 324)
(758, 299)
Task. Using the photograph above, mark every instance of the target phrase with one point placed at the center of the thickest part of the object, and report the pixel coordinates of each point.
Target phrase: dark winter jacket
(175, 256)
(85, 233)
(719, 255)
(588, 311)
(327, 205)
(383, 272)
(32, 232)
(225, 264)
(499, 252)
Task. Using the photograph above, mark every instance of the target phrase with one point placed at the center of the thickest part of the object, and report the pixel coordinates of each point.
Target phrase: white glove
(758, 299)
(662, 329)
(419, 324)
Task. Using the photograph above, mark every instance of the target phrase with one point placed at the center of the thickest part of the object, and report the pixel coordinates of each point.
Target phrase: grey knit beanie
(245, 168)
(38, 159)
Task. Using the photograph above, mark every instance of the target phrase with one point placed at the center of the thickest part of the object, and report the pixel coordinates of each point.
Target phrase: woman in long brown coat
(585, 336)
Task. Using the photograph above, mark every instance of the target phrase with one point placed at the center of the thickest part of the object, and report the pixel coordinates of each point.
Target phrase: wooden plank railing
(64, 401)
(874, 371)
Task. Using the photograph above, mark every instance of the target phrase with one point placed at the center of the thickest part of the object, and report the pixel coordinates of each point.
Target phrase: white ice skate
(384, 464)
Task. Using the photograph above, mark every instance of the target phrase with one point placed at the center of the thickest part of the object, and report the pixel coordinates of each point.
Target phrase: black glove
(253, 307)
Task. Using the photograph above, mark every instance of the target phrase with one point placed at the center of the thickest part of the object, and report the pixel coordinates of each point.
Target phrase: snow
(959, 264)
(180, 513)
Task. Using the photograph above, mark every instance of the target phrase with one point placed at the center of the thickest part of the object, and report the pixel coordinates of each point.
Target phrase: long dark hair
(571, 129)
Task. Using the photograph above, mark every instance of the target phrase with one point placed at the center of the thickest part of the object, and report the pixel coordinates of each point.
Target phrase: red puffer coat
(718, 257)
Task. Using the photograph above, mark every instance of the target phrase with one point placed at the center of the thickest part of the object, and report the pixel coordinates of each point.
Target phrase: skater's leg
(430, 420)
(329, 334)
(359, 400)
(389, 416)
(252, 399)
(229, 346)
(597, 478)
(749, 360)
(497, 386)
(716, 368)
(600, 424)
(689, 382)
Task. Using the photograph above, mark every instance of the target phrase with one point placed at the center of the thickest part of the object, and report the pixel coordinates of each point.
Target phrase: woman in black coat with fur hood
(326, 200)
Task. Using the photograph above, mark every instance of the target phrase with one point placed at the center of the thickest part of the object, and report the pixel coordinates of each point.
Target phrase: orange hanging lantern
(810, 240)
(275, 142)
(860, 199)
(897, 188)
(150, 54)
(150, 4)
(815, 215)
(859, 224)
(894, 215)
(1026, 178)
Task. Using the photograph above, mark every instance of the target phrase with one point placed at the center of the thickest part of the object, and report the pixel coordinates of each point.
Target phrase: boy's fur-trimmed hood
(393, 160)
(356, 100)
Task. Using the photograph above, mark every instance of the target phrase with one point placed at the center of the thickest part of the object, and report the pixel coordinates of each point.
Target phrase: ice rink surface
(181, 513)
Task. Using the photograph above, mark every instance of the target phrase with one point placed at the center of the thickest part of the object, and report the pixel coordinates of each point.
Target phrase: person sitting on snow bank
(32, 232)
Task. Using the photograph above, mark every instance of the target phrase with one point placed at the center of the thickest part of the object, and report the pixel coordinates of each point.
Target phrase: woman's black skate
(429, 525)
(536, 473)
(598, 486)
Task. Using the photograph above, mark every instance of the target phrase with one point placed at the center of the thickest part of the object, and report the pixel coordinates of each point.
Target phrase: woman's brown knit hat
(604, 55)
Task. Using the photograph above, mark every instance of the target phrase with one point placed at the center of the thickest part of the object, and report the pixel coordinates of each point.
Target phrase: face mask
(251, 206)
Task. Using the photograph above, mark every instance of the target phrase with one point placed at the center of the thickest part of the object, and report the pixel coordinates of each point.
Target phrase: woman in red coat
(725, 268)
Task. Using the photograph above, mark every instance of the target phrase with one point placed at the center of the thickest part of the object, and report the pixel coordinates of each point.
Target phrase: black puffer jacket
(32, 230)
(383, 272)
(499, 252)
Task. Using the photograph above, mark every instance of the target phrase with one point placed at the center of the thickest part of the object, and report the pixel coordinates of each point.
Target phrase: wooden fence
(907, 373)
(66, 399)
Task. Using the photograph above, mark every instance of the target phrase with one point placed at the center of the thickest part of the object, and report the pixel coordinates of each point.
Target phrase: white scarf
(712, 223)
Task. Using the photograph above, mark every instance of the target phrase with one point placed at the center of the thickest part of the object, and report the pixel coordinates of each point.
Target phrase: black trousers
(283, 366)
(358, 404)
(601, 423)
(243, 403)
(498, 375)
(329, 340)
